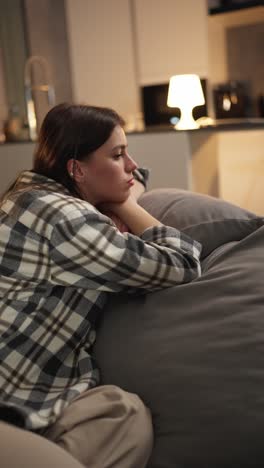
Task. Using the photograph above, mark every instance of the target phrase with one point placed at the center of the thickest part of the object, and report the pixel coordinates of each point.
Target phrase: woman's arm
(133, 215)
(88, 252)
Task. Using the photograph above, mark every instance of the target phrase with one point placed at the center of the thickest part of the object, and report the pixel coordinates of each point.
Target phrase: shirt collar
(30, 179)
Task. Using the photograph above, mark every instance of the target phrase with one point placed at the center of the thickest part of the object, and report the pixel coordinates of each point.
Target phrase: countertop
(218, 125)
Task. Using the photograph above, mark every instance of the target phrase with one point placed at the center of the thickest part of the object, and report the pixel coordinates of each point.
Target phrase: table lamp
(185, 92)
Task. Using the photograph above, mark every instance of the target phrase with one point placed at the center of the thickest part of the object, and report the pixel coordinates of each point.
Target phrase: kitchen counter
(217, 126)
(226, 160)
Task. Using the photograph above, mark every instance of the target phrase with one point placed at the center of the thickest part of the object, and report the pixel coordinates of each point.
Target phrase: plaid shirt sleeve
(89, 252)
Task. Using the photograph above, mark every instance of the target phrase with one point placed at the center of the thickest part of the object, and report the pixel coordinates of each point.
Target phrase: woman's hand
(121, 226)
(131, 214)
(108, 208)
(137, 189)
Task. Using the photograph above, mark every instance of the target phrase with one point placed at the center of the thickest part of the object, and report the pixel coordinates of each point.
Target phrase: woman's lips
(131, 181)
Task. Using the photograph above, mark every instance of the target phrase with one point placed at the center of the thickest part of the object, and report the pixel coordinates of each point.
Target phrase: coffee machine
(231, 100)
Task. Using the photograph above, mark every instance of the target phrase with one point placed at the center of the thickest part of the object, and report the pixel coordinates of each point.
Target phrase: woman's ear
(70, 167)
(75, 169)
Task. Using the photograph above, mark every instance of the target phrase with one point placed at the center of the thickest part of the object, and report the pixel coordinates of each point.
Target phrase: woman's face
(107, 173)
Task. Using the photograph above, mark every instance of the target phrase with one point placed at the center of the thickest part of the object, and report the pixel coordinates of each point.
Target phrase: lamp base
(186, 121)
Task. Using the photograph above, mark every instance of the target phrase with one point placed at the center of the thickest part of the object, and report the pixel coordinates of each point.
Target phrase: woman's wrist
(134, 216)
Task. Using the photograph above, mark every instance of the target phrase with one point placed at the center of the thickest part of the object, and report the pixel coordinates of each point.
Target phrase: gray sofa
(194, 353)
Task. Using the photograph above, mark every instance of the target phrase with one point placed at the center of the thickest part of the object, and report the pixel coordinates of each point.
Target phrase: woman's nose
(131, 165)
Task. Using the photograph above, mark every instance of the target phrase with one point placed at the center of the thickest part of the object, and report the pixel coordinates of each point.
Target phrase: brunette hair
(71, 131)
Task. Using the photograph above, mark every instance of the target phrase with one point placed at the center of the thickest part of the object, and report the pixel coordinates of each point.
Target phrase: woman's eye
(118, 156)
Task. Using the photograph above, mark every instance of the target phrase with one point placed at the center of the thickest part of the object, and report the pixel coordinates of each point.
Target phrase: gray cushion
(209, 220)
(195, 354)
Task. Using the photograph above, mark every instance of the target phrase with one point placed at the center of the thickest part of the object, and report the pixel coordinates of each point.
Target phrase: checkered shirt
(59, 257)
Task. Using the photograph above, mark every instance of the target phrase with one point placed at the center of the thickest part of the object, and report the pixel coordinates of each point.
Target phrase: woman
(60, 256)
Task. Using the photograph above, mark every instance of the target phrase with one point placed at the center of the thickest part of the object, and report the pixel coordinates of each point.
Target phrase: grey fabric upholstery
(194, 353)
(209, 220)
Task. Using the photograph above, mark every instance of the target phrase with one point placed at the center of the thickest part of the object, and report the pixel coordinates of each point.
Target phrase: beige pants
(105, 427)
(24, 449)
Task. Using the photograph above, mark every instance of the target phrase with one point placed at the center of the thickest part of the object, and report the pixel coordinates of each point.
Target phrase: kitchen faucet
(46, 87)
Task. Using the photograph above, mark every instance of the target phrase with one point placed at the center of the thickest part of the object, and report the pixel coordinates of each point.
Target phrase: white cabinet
(228, 164)
(171, 38)
(116, 46)
(102, 54)
(241, 168)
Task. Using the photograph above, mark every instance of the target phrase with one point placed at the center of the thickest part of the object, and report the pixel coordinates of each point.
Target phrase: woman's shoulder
(65, 204)
(52, 203)
(35, 204)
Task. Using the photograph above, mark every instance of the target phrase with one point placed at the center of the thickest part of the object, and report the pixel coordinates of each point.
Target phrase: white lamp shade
(185, 90)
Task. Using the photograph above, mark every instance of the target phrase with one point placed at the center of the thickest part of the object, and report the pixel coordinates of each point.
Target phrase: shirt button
(92, 336)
